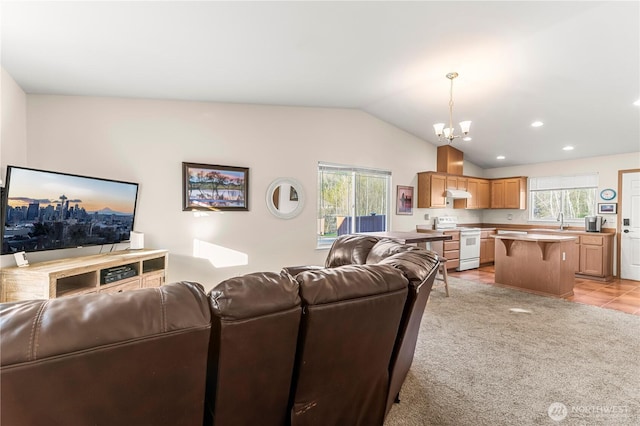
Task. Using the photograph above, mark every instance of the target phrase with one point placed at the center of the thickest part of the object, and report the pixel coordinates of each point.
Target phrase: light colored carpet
(479, 363)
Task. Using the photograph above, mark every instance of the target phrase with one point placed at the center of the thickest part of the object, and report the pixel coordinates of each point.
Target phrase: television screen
(45, 210)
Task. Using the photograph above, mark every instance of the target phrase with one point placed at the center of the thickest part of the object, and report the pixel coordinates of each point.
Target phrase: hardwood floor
(621, 295)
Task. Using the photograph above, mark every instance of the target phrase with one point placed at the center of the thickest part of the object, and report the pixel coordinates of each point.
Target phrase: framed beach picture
(611, 208)
(214, 187)
(404, 200)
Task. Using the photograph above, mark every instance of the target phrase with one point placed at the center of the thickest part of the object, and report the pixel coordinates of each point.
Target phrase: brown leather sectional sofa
(309, 346)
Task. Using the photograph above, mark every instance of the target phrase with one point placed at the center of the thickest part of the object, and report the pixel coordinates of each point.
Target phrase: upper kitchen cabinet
(509, 193)
(450, 160)
(431, 190)
(480, 194)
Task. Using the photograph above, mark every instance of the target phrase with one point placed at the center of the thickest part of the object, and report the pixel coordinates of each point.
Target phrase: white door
(630, 230)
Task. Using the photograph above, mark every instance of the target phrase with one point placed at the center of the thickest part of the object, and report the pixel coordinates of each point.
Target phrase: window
(574, 196)
(351, 199)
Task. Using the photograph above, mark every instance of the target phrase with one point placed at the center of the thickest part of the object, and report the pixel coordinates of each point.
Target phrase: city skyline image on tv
(48, 210)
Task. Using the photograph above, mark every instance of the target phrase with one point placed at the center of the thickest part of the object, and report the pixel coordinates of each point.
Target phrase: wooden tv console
(101, 273)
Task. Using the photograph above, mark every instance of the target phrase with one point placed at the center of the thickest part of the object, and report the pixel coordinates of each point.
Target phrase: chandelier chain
(451, 109)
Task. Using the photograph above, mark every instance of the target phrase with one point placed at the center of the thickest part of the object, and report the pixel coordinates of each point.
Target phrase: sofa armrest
(295, 270)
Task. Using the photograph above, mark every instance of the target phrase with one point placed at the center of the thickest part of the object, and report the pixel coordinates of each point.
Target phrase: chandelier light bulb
(465, 126)
(438, 127)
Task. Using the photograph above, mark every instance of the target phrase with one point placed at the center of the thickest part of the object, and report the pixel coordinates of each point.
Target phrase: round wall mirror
(285, 198)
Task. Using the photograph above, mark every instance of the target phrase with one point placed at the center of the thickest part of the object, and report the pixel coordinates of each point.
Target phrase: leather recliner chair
(347, 335)
(132, 358)
(255, 321)
(418, 265)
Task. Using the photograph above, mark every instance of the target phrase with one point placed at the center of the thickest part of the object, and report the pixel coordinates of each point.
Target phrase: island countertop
(535, 237)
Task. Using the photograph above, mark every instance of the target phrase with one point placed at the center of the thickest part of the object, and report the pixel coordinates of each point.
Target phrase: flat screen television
(47, 210)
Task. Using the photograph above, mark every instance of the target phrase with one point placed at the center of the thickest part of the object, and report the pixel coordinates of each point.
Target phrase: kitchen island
(537, 263)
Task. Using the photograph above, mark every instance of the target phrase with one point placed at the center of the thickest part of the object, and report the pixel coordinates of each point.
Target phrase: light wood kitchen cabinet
(487, 247)
(509, 193)
(431, 188)
(596, 256)
(479, 190)
(461, 183)
(497, 194)
(450, 249)
(457, 182)
(484, 194)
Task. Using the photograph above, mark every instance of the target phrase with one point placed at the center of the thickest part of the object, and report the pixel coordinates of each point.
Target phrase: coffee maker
(593, 223)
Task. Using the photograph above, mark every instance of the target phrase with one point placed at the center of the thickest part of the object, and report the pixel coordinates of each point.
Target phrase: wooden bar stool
(441, 275)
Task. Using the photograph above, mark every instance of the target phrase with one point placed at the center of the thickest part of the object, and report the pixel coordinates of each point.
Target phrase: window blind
(344, 168)
(546, 183)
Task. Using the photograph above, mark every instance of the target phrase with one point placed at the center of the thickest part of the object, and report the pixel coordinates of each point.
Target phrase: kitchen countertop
(412, 237)
(522, 228)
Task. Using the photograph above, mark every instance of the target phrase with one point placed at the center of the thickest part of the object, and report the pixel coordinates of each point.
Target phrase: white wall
(607, 168)
(13, 124)
(146, 141)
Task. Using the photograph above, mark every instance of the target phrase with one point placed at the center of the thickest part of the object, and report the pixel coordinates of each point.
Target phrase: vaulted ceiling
(575, 65)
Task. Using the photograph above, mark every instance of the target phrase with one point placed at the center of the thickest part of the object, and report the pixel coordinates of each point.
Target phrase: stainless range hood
(456, 194)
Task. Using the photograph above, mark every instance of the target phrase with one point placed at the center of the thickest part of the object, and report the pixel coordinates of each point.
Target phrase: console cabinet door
(153, 280)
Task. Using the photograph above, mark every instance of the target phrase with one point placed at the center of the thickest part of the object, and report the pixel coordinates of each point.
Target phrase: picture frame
(212, 187)
(607, 208)
(404, 200)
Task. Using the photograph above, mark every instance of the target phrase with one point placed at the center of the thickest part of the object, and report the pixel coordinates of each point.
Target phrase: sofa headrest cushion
(416, 265)
(348, 282)
(385, 248)
(37, 329)
(350, 250)
(254, 295)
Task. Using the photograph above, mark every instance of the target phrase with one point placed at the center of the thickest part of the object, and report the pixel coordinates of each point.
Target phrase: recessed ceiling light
(537, 124)
(500, 157)
(467, 138)
(568, 148)
(637, 103)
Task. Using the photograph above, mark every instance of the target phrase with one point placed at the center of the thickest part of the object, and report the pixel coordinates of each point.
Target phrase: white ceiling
(573, 65)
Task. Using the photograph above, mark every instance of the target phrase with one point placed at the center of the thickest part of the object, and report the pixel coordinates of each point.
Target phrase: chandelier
(447, 133)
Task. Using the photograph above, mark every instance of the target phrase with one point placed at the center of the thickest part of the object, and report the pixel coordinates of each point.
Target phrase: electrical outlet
(426, 216)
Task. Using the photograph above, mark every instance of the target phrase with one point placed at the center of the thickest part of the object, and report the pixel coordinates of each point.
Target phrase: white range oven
(469, 241)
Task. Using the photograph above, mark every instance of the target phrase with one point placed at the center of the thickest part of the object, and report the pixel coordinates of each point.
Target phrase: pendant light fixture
(447, 133)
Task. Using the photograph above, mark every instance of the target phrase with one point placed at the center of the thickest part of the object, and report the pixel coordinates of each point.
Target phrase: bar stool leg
(445, 279)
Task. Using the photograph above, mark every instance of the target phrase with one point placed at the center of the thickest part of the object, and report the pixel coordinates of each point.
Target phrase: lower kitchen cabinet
(596, 256)
(450, 250)
(487, 247)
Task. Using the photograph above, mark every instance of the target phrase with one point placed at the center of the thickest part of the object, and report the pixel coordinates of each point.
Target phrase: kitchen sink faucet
(560, 219)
